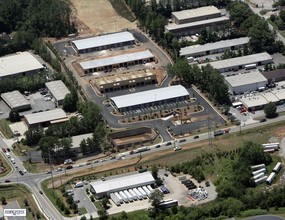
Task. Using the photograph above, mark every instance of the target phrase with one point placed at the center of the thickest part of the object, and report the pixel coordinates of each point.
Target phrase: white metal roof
(197, 12)
(213, 46)
(270, 97)
(149, 96)
(18, 63)
(245, 79)
(238, 61)
(46, 116)
(123, 58)
(14, 99)
(257, 100)
(280, 94)
(173, 26)
(103, 40)
(123, 182)
(58, 89)
(76, 140)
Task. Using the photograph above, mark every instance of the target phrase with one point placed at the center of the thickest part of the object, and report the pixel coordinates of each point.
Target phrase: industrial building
(122, 60)
(103, 42)
(58, 91)
(20, 64)
(213, 48)
(150, 98)
(16, 101)
(275, 75)
(244, 82)
(187, 29)
(124, 80)
(237, 63)
(46, 118)
(104, 188)
(197, 14)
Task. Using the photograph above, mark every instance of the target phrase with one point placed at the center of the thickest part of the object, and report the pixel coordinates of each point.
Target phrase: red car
(4, 150)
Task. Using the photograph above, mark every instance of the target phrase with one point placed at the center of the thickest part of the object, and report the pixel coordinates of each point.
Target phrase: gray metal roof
(246, 78)
(15, 99)
(123, 58)
(103, 40)
(213, 46)
(57, 89)
(76, 140)
(172, 26)
(46, 116)
(238, 61)
(123, 182)
(197, 12)
(149, 96)
(18, 63)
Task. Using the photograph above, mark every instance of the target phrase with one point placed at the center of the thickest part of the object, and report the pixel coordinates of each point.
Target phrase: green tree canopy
(270, 110)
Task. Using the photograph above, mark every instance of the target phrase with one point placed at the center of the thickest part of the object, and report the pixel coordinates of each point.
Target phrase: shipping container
(146, 190)
(130, 197)
(119, 197)
(150, 188)
(258, 176)
(124, 196)
(277, 167)
(142, 192)
(140, 196)
(263, 170)
(115, 199)
(134, 195)
(168, 203)
(257, 167)
(260, 180)
(271, 177)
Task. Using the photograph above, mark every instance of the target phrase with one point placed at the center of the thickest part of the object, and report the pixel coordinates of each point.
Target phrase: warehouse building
(237, 63)
(213, 48)
(123, 60)
(244, 82)
(46, 118)
(104, 188)
(275, 75)
(16, 101)
(197, 14)
(103, 42)
(58, 91)
(150, 98)
(187, 29)
(124, 80)
(20, 64)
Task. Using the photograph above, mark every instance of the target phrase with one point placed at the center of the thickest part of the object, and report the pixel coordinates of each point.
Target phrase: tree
(3, 200)
(155, 199)
(105, 203)
(14, 116)
(154, 171)
(70, 100)
(270, 110)
(103, 214)
(33, 136)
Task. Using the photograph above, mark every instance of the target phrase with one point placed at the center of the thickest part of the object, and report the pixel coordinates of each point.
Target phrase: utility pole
(209, 132)
(51, 169)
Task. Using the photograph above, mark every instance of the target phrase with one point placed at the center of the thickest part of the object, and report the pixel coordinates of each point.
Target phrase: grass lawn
(5, 129)
(121, 8)
(82, 211)
(21, 193)
(6, 165)
(36, 167)
(22, 150)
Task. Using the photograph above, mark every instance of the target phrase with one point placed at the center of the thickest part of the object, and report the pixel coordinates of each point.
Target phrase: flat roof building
(122, 60)
(104, 42)
(212, 48)
(240, 62)
(196, 27)
(197, 14)
(16, 101)
(104, 188)
(124, 80)
(58, 90)
(275, 75)
(46, 118)
(19, 64)
(243, 82)
(151, 97)
(76, 140)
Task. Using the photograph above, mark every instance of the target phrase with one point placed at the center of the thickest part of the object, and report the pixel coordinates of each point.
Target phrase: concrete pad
(19, 127)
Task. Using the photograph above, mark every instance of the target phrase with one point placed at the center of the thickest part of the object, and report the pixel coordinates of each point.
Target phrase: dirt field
(99, 16)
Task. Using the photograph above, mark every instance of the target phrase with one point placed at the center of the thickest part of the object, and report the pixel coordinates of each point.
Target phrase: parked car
(168, 143)
(4, 150)
(8, 149)
(69, 167)
(262, 120)
(7, 181)
(196, 137)
(182, 140)
(157, 146)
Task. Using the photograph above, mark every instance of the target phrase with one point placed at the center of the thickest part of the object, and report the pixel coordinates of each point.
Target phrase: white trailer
(119, 197)
(142, 192)
(257, 167)
(258, 176)
(146, 190)
(269, 150)
(130, 197)
(260, 180)
(274, 147)
(270, 144)
(140, 196)
(150, 188)
(277, 167)
(271, 177)
(124, 196)
(135, 197)
(115, 199)
(263, 170)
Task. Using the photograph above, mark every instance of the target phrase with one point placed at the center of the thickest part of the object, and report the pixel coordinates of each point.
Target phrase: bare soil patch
(99, 16)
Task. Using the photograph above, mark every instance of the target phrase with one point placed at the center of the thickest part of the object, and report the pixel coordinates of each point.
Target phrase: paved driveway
(80, 194)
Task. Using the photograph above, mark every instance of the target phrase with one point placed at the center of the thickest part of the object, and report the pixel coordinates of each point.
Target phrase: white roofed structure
(104, 42)
(58, 90)
(16, 101)
(46, 118)
(240, 62)
(155, 96)
(117, 61)
(212, 48)
(102, 188)
(22, 63)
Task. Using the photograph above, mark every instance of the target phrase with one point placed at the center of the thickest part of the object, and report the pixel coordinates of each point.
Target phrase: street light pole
(51, 169)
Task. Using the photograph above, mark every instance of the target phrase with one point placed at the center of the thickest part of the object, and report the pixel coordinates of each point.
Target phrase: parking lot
(13, 205)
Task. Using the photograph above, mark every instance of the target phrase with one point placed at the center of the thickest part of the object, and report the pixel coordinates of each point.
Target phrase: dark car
(41, 192)
(4, 150)
(7, 181)
(21, 172)
(69, 167)
(157, 146)
(262, 120)
(196, 137)
(168, 143)
(183, 140)
(8, 149)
